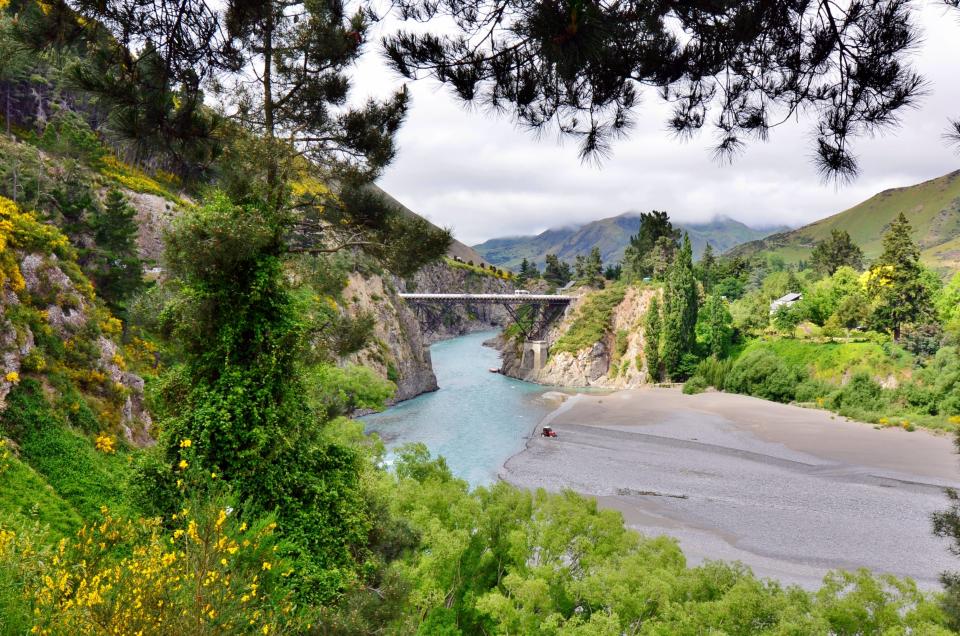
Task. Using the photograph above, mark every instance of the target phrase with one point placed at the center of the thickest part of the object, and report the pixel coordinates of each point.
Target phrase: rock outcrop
(67, 310)
(398, 350)
(616, 361)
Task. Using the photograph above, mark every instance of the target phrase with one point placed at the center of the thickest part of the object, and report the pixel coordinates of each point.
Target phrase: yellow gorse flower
(105, 443)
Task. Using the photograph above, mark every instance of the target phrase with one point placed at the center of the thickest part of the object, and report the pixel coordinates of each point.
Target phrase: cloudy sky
(480, 175)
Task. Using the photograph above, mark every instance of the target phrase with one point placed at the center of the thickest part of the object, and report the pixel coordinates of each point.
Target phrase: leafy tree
(715, 327)
(613, 272)
(835, 252)
(680, 311)
(897, 282)
(651, 338)
(589, 269)
(557, 272)
(948, 307)
(651, 248)
(578, 66)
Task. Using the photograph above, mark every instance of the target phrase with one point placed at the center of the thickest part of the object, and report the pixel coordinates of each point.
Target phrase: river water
(476, 420)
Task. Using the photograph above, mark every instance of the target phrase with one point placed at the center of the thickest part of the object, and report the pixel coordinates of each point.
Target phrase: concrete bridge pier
(535, 354)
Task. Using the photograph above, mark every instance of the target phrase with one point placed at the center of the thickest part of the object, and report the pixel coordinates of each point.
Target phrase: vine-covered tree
(897, 281)
(680, 311)
(581, 65)
(833, 253)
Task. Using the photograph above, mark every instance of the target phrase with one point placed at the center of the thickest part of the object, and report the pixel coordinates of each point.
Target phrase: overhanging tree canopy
(742, 67)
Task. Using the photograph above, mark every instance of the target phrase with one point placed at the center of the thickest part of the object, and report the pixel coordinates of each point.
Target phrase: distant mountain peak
(612, 235)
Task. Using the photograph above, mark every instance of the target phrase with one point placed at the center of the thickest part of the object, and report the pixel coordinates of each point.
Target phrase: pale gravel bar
(791, 492)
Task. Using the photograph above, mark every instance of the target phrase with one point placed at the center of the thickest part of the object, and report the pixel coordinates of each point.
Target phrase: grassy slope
(834, 361)
(933, 208)
(592, 322)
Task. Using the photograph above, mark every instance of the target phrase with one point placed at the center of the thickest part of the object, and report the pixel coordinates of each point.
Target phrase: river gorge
(791, 492)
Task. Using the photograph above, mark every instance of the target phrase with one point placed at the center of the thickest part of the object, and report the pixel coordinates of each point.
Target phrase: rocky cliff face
(615, 361)
(398, 350)
(66, 311)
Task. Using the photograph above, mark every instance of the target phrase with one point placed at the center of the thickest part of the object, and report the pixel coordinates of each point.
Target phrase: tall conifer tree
(651, 338)
(680, 311)
(897, 282)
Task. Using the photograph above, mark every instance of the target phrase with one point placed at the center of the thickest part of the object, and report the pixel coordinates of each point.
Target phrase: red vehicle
(548, 432)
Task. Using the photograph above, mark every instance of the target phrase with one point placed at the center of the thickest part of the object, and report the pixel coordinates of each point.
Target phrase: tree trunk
(8, 109)
(268, 122)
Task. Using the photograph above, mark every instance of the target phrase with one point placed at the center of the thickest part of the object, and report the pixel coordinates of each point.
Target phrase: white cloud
(482, 176)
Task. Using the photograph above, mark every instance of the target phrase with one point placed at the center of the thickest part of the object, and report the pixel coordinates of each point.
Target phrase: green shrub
(762, 374)
(861, 393)
(714, 371)
(811, 390)
(695, 385)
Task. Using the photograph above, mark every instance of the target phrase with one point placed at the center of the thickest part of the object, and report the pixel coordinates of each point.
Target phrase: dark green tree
(680, 311)
(646, 251)
(14, 63)
(528, 272)
(715, 327)
(115, 267)
(613, 272)
(588, 270)
(835, 252)
(579, 65)
(707, 268)
(897, 281)
(556, 271)
(651, 339)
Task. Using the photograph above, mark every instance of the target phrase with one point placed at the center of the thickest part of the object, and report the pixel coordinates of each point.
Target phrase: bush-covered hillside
(177, 453)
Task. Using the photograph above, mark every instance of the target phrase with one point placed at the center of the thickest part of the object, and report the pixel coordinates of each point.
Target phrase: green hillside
(933, 208)
(612, 236)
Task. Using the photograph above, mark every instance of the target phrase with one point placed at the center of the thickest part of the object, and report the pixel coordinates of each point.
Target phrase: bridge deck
(491, 298)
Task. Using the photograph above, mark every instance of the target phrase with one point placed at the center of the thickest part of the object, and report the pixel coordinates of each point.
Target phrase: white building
(785, 301)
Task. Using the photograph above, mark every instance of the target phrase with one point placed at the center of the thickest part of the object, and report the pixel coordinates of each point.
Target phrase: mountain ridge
(931, 206)
(611, 235)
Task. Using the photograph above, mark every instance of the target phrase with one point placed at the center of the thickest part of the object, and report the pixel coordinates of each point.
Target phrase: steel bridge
(533, 313)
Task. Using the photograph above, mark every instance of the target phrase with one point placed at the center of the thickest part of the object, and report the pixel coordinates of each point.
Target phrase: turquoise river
(477, 419)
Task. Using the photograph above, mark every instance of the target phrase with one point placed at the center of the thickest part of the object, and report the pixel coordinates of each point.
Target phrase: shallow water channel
(477, 419)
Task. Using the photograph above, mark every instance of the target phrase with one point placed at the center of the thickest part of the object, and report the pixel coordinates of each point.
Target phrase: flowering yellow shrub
(210, 575)
(879, 275)
(12, 377)
(111, 326)
(105, 443)
(22, 230)
(134, 179)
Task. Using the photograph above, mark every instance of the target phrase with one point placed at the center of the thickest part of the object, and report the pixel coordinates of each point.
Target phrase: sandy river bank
(791, 492)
